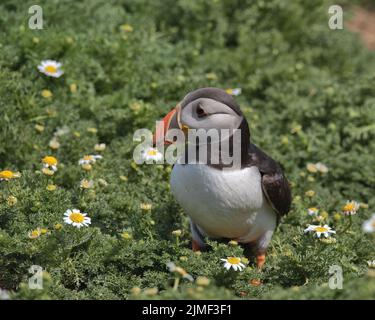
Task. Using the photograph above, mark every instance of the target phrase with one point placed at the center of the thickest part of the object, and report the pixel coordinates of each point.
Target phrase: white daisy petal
(237, 91)
(325, 230)
(233, 262)
(51, 68)
(369, 225)
(151, 155)
(76, 218)
(189, 277)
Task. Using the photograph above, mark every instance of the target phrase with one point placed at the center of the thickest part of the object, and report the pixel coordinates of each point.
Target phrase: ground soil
(363, 22)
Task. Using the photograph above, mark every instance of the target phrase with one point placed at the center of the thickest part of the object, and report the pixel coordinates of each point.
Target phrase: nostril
(200, 111)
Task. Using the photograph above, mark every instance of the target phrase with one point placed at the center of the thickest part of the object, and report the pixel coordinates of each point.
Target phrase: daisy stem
(10, 193)
(349, 224)
(50, 180)
(176, 283)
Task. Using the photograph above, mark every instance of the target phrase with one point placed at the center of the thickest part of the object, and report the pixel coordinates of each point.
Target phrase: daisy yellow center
(77, 217)
(314, 209)
(52, 161)
(321, 229)
(35, 233)
(349, 207)
(6, 174)
(85, 184)
(127, 28)
(50, 69)
(126, 235)
(152, 152)
(87, 158)
(46, 93)
(234, 260)
(51, 187)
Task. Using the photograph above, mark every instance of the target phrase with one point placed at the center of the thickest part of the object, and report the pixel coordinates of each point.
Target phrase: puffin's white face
(216, 120)
(205, 113)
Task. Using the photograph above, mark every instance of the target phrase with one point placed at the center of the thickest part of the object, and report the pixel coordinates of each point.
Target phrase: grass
(308, 94)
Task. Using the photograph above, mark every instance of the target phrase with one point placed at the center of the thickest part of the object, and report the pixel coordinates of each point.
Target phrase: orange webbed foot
(195, 246)
(261, 259)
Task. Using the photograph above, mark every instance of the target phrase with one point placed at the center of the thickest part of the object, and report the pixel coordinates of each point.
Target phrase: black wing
(274, 184)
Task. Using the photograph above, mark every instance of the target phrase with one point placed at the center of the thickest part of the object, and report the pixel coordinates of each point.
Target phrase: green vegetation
(307, 91)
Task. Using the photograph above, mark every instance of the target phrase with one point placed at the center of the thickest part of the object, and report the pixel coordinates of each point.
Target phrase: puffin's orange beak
(170, 121)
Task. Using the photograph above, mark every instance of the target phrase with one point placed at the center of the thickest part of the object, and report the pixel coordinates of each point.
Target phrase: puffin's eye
(200, 111)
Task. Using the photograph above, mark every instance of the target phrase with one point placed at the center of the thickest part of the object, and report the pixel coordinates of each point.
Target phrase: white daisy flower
(51, 68)
(171, 266)
(145, 206)
(369, 225)
(313, 211)
(62, 131)
(233, 262)
(76, 218)
(35, 233)
(371, 264)
(89, 159)
(319, 230)
(54, 144)
(50, 162)
(152, 154)
(182, 272)
(86, 184)
(321, 167)
(234, 91)
(350, 208)
(311, 167)
(100, 147)
(7, 175)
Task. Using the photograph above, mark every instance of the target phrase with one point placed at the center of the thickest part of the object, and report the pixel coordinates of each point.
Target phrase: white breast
(223, 203)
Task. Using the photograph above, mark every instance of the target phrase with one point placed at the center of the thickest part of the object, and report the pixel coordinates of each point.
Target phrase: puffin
(243, 203)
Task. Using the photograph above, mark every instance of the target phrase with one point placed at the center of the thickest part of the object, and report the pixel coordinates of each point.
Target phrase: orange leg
(195, 246)
(261, 259)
